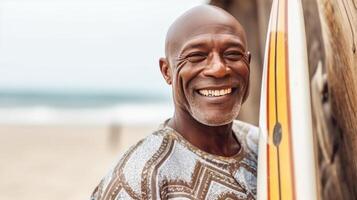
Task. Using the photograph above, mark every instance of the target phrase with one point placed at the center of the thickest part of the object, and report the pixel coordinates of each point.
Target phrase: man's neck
(218, 140)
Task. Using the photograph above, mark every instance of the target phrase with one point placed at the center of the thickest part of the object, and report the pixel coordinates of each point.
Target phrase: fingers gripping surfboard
(286, 165)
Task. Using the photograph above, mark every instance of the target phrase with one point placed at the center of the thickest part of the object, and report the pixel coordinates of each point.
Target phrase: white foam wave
(124, 114)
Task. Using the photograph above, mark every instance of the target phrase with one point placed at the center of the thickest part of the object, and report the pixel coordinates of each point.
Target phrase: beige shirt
(166, 166)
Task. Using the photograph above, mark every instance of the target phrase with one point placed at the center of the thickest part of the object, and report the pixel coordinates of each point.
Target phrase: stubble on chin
(216, 120)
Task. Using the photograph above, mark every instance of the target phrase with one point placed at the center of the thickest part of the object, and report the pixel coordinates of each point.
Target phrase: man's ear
(246, 94)
(165, 70)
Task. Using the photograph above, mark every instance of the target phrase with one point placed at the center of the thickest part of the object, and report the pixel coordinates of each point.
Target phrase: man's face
(210, 75)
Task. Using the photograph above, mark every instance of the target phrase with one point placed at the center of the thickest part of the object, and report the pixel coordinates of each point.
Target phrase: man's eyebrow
(194, 43)
(202, 43)
(234, 42)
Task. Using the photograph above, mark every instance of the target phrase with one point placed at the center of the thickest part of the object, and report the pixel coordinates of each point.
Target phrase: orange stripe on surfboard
(279, 153)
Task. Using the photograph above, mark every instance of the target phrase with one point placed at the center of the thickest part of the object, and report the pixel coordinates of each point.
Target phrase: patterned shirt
(166, 166)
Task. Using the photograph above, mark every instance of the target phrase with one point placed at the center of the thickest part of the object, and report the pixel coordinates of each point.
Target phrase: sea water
(83, 107)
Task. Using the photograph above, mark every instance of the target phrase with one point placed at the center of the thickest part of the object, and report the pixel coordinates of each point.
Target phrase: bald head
(201, 20)
(206, 53)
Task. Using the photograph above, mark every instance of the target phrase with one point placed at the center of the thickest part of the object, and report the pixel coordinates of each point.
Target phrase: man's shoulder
(247, 134)
(128, 176)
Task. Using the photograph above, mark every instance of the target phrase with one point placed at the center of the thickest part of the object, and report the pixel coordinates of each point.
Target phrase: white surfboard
(286, 163)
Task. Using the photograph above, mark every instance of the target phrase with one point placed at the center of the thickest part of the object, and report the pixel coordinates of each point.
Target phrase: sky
(89, 45)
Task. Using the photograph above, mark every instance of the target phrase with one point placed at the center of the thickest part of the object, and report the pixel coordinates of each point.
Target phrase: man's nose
(216, 68)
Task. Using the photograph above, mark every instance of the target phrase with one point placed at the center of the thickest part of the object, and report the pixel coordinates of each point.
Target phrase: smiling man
(202, 152)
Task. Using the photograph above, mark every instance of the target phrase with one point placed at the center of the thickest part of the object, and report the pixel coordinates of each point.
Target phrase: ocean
(83, 107)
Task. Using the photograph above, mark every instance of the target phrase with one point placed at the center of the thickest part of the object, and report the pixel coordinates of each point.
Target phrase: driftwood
(338, 164)
(330, 27)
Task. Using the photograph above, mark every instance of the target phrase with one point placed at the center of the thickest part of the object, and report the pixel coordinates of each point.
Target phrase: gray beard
(216, 121)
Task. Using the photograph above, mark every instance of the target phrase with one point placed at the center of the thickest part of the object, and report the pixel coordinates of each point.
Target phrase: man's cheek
(184, 77)
(179, 93)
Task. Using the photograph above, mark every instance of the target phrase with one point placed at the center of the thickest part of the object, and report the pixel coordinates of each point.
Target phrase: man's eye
(233, 55)
(196, 57)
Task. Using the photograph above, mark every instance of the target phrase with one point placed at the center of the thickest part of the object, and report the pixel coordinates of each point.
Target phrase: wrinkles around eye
(233, 55)
(196, 56)
(181, 61)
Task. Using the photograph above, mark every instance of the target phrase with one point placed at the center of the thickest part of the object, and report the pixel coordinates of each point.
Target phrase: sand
(59, 162)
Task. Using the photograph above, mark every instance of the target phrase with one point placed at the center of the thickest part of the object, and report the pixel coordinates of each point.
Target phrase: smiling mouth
(215, 92)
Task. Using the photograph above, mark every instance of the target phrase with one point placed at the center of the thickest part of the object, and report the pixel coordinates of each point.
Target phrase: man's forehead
(199, 21)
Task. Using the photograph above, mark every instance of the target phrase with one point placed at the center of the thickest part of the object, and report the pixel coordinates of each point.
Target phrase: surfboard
(286, 157)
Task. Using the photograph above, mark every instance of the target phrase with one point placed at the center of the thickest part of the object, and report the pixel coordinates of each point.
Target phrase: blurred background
(80, 83)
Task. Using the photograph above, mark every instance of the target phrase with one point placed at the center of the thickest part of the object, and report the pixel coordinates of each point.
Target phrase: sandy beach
(60, 162)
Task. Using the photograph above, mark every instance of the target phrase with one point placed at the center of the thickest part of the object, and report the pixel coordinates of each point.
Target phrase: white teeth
(215, 93)
(205, 93)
